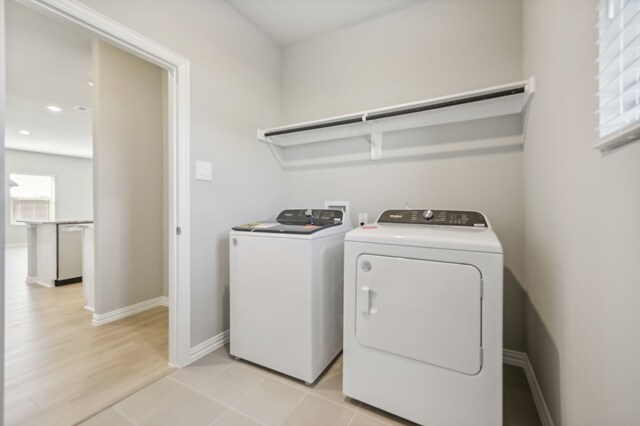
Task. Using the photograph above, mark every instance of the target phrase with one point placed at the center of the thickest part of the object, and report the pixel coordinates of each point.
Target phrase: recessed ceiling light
(82, 108)
(90, 83)
(24, 132)
(54, 108)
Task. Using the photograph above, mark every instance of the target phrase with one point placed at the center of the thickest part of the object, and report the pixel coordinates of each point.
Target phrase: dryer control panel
(434, 217)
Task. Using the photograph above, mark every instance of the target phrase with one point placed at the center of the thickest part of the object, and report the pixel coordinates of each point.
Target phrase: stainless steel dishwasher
(69, 254)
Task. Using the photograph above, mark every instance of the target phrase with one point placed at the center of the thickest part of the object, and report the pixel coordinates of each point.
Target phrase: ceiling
(290, 21)
(47, 66)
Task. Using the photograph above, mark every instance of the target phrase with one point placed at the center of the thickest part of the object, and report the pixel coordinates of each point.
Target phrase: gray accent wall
(128, 178)
(582, 233)
(73, 187)
(434, 48)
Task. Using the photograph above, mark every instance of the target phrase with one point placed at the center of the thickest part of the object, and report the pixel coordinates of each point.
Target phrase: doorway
(176, 225)
(178, 156)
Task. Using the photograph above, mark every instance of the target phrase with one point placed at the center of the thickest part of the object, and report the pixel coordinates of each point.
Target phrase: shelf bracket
(262, 137)
(376, 144)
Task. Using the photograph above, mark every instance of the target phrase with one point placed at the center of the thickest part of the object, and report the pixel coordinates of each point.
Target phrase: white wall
(581, 229)
(431, 49)
(435, 48)
(73, 181)
(235, 88)
(128, 178)
(2, 236)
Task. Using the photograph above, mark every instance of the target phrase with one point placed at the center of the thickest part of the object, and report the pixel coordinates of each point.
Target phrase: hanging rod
(341, 122)
(445, 104)
(394, 112)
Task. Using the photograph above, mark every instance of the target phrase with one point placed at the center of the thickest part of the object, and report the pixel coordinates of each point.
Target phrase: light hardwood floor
(60, 369)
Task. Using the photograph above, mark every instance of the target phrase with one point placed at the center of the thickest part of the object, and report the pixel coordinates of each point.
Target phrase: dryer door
(424, 310)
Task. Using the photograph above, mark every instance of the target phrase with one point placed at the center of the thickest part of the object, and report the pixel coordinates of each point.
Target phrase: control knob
(309, 213)
(428, 214)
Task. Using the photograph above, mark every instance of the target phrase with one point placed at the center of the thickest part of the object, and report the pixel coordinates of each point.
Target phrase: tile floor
(219, 391)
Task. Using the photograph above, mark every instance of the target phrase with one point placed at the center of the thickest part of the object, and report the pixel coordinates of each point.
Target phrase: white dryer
(423, 317)
(286, 291)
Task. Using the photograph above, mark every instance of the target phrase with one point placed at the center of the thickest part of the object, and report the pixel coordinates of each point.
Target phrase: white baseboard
(34, 280)
(101, 319)
(208, 346)
(520, 359)
(19, 245)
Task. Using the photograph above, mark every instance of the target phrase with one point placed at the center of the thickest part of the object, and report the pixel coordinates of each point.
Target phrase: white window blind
(618, 68)
(31, 198)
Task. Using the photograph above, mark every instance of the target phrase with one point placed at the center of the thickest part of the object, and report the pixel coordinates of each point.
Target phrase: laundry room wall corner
(514, 313)
(581, 228)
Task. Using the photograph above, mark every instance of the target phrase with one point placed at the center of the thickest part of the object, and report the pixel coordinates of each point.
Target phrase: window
(31, 198)
(618, 72)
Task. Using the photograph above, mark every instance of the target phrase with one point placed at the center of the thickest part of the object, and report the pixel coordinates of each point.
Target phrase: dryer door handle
(365, 299)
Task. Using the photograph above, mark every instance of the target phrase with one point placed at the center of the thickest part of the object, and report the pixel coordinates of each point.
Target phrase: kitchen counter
(55, 252)
(56, 222)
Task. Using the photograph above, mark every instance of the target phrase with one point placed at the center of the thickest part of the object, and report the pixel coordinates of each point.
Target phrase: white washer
(286, 291)
(423, 317)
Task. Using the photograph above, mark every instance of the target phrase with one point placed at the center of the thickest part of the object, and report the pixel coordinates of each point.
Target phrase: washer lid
(300, 221)
(433, 236)
(278, 228)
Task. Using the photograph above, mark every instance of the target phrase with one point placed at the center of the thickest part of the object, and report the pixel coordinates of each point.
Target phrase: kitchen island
(55, 252)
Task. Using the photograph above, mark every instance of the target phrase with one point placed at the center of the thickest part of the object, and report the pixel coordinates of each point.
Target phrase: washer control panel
(310, 216)
(434, 217)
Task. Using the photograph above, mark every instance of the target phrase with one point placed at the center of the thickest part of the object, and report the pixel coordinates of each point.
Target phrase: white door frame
(178, 153)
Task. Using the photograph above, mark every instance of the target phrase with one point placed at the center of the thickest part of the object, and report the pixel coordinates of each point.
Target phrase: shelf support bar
(376, 144)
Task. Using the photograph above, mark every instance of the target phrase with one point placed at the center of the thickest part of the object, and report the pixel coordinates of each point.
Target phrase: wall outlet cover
(363, 219)
(340, 205)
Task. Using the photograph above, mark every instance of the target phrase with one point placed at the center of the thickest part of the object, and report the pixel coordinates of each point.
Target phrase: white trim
(18, 245)
(34, 280)
(520, 359)
(208, 346)
(101, 319)
(163, 301)
(3, 95)
(628, 134)
(48, 152)
(178, 69)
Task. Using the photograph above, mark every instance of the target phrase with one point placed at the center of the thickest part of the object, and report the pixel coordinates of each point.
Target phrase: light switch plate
(204, 171)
